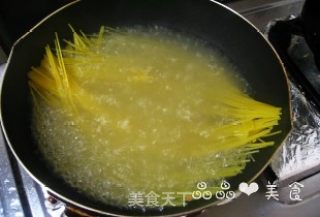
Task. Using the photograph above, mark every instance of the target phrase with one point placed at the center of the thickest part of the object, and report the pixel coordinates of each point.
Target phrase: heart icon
(248, 189)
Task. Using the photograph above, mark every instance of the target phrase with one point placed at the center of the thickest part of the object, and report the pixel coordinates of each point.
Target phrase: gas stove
(296, 163)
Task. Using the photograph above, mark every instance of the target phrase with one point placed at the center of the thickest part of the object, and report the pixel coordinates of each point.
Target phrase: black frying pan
(222, 28)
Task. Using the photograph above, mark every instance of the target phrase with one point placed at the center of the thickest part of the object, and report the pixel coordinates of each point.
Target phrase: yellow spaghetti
(144, 110)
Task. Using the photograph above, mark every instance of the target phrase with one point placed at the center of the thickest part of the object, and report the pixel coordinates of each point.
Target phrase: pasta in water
(144, 110)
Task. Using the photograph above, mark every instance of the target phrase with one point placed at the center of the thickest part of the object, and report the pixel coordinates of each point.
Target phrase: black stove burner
(305, 29)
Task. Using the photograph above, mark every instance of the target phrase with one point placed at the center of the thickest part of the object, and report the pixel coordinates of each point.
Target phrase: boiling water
(147, 110)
